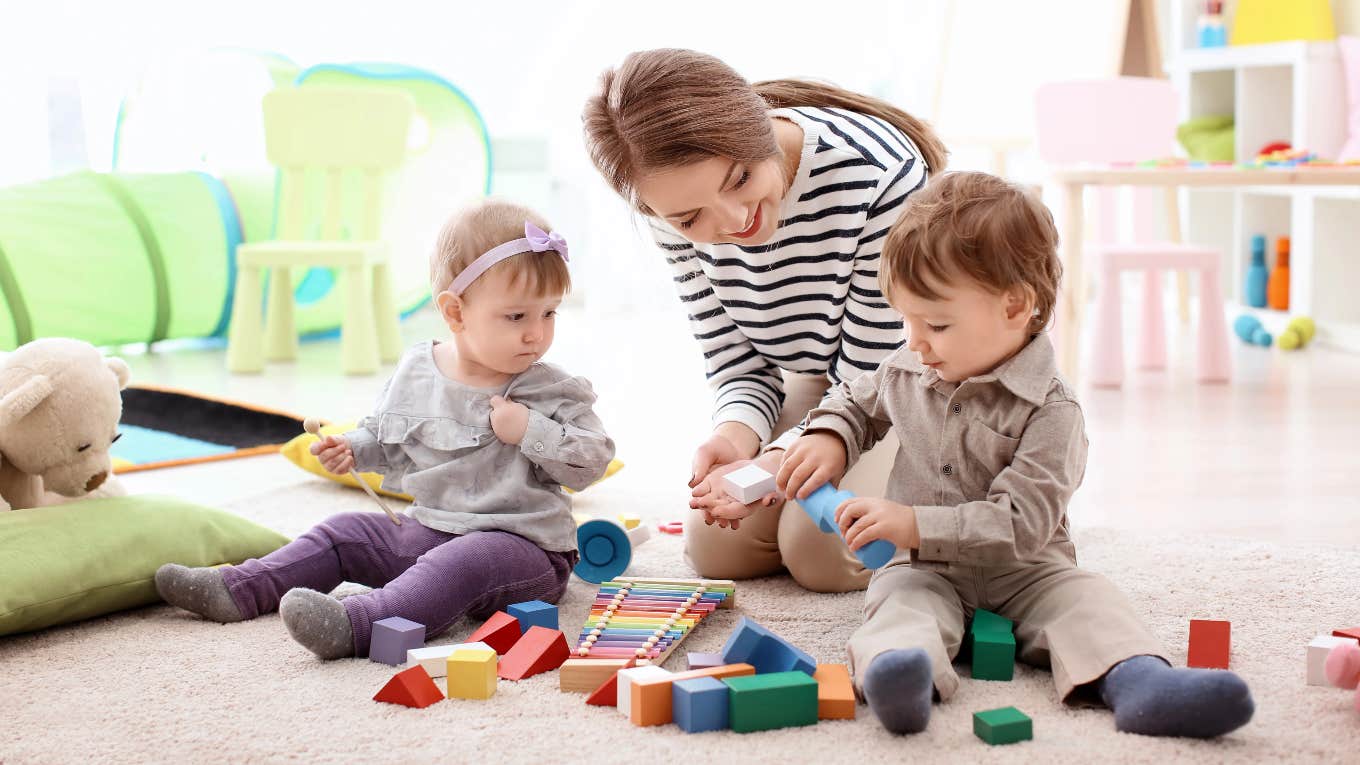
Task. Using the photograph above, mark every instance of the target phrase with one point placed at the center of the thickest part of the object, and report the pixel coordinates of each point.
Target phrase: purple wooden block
(705, 660)
(393, 637)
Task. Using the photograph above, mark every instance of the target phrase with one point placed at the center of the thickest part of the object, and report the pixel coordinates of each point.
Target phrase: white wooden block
(625, 684)
(435, 658)
(748, 484)
(1317, 657)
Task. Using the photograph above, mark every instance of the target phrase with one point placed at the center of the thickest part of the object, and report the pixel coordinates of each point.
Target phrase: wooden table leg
(1071, 297)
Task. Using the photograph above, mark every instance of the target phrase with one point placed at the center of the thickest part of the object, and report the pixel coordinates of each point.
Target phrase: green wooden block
(1003, 726)
(993, 656)
(986, 621)
(774, 700)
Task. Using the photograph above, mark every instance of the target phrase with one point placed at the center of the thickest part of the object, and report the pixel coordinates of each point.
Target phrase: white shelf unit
(1286, 91)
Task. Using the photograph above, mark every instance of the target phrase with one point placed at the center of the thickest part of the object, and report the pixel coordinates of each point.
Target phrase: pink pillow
(1350, 65)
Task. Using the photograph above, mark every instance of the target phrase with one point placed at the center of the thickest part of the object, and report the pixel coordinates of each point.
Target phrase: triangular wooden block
(501, 632)
(607, 695)
(540, 650)
(412, 688)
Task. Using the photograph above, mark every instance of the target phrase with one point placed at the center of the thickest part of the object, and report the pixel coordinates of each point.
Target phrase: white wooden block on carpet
(1317, 657)
(625, 684)
(435, 658)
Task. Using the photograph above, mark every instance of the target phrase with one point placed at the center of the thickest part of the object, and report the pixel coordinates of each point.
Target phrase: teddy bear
(60, 403)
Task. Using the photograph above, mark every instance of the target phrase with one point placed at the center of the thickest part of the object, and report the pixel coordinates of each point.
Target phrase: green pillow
(96, 556)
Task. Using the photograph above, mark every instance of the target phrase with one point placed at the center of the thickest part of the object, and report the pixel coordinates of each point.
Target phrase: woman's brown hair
(670, 107)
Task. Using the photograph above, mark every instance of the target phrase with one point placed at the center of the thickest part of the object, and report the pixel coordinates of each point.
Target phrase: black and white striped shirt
(808, 300)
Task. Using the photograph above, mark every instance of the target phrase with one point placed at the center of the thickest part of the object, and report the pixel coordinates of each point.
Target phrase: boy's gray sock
(898, 686)
(1154, 699)
(200, 590)
(318, 622)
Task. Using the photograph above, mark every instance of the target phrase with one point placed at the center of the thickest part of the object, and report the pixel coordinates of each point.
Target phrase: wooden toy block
(1343, 666)
(586, 675)
(534, 613)
(1317, 656)
(435, 658)
(630, 521)
(627, 677)
(410, 687)
(835, 694)
(703, 660)
(501, 632)
(472, 673)
(540, 650)
(651, 702)
(993, 656)
(1352, 632)
(1003, 726)
(986, 621)
(748, 484)
(700, 704)
(775, 700)
(392, 637)
(750, 643)
(607, 695)
(1210, 644)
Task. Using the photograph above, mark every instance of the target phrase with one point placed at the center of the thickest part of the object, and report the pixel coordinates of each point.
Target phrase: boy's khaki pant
(1065, 617)
(783, 536)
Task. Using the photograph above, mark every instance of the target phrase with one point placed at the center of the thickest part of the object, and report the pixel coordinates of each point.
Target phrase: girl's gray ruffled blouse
(431, 438)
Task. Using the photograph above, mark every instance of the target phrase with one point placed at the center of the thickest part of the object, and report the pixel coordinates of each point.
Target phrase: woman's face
(718, 200)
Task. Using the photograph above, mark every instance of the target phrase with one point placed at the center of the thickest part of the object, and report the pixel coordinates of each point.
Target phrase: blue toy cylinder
(1257, 275)
(821, 506)
(1249, 328)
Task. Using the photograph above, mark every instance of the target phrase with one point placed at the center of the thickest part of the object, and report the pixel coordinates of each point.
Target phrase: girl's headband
(534, 240)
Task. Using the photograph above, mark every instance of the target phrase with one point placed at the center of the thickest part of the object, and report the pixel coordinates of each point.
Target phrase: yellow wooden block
(630, 521)
(472, 673)
(1266, 21)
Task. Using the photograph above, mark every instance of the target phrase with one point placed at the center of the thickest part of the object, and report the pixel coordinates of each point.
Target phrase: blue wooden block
(821, 506)
(699, 704)
(392, 637)
(753, 644)
(534, 613)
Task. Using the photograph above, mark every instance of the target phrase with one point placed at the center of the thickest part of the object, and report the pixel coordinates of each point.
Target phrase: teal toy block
(821, 506)
(993, 656)
(1003, 726)
(534, 613)
(776, 700)
(750, 643)
(700, 704)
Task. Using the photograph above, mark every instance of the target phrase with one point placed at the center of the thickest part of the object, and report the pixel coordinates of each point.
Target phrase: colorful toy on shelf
(1249, 329)
(1265, 21)
(1298, 333)
(1210, 644)
(1212, 31)
(1277, 288)
(1003, 726)
(821, 506)
(639, 620)
(1257, 275)
(1343, 668)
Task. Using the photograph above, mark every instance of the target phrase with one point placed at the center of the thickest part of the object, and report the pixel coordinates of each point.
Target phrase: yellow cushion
(298, 451)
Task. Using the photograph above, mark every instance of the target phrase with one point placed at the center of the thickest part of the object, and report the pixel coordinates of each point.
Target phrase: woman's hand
(865, 519)
(718, 507)
(731, 441)
(335, 454)
(814, 459)
(509, 420)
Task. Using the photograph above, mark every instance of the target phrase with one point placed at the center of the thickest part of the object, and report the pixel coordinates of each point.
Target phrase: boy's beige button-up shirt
(989, 464)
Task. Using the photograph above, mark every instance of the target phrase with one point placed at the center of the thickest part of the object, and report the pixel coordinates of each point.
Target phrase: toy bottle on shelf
(1257, 276)
(1277, 289)
(1212, 32)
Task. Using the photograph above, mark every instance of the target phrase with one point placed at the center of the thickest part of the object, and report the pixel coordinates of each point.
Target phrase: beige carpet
(158, 685)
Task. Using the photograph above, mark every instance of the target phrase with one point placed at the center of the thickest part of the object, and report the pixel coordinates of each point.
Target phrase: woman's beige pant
(783, 536)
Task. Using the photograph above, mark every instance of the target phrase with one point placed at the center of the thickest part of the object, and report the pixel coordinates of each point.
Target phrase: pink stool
(1213, 362)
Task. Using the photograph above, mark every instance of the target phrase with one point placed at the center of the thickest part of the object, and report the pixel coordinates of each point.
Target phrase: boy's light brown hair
(488, 224)
(975, 226)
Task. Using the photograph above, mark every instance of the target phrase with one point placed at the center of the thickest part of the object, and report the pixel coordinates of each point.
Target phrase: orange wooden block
(1210, 644)
(835, 694)
(501, 632)
(607, 695)
(410, 687)
(539, 650)
(651, 701)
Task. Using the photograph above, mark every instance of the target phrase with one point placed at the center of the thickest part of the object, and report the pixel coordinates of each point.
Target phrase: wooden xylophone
(641, 621)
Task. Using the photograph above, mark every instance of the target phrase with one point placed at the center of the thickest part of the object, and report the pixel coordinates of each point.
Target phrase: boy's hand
(814, 459)
(865, 519)
(335, 454)
(509, 420)
(718, 507)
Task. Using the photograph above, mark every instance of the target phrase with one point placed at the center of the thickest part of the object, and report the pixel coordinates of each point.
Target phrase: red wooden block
(412, 688)
(1353, 632)
(607, 695)
(501, 632)
(1210, 644)
(539, 650)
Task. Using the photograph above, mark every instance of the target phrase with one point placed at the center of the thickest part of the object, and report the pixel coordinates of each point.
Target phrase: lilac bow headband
(535, 239)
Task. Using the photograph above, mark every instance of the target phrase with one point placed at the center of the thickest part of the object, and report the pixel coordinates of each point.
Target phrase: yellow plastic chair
(347, 139)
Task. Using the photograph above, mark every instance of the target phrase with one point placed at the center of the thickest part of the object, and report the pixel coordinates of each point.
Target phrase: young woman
(770, 201)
